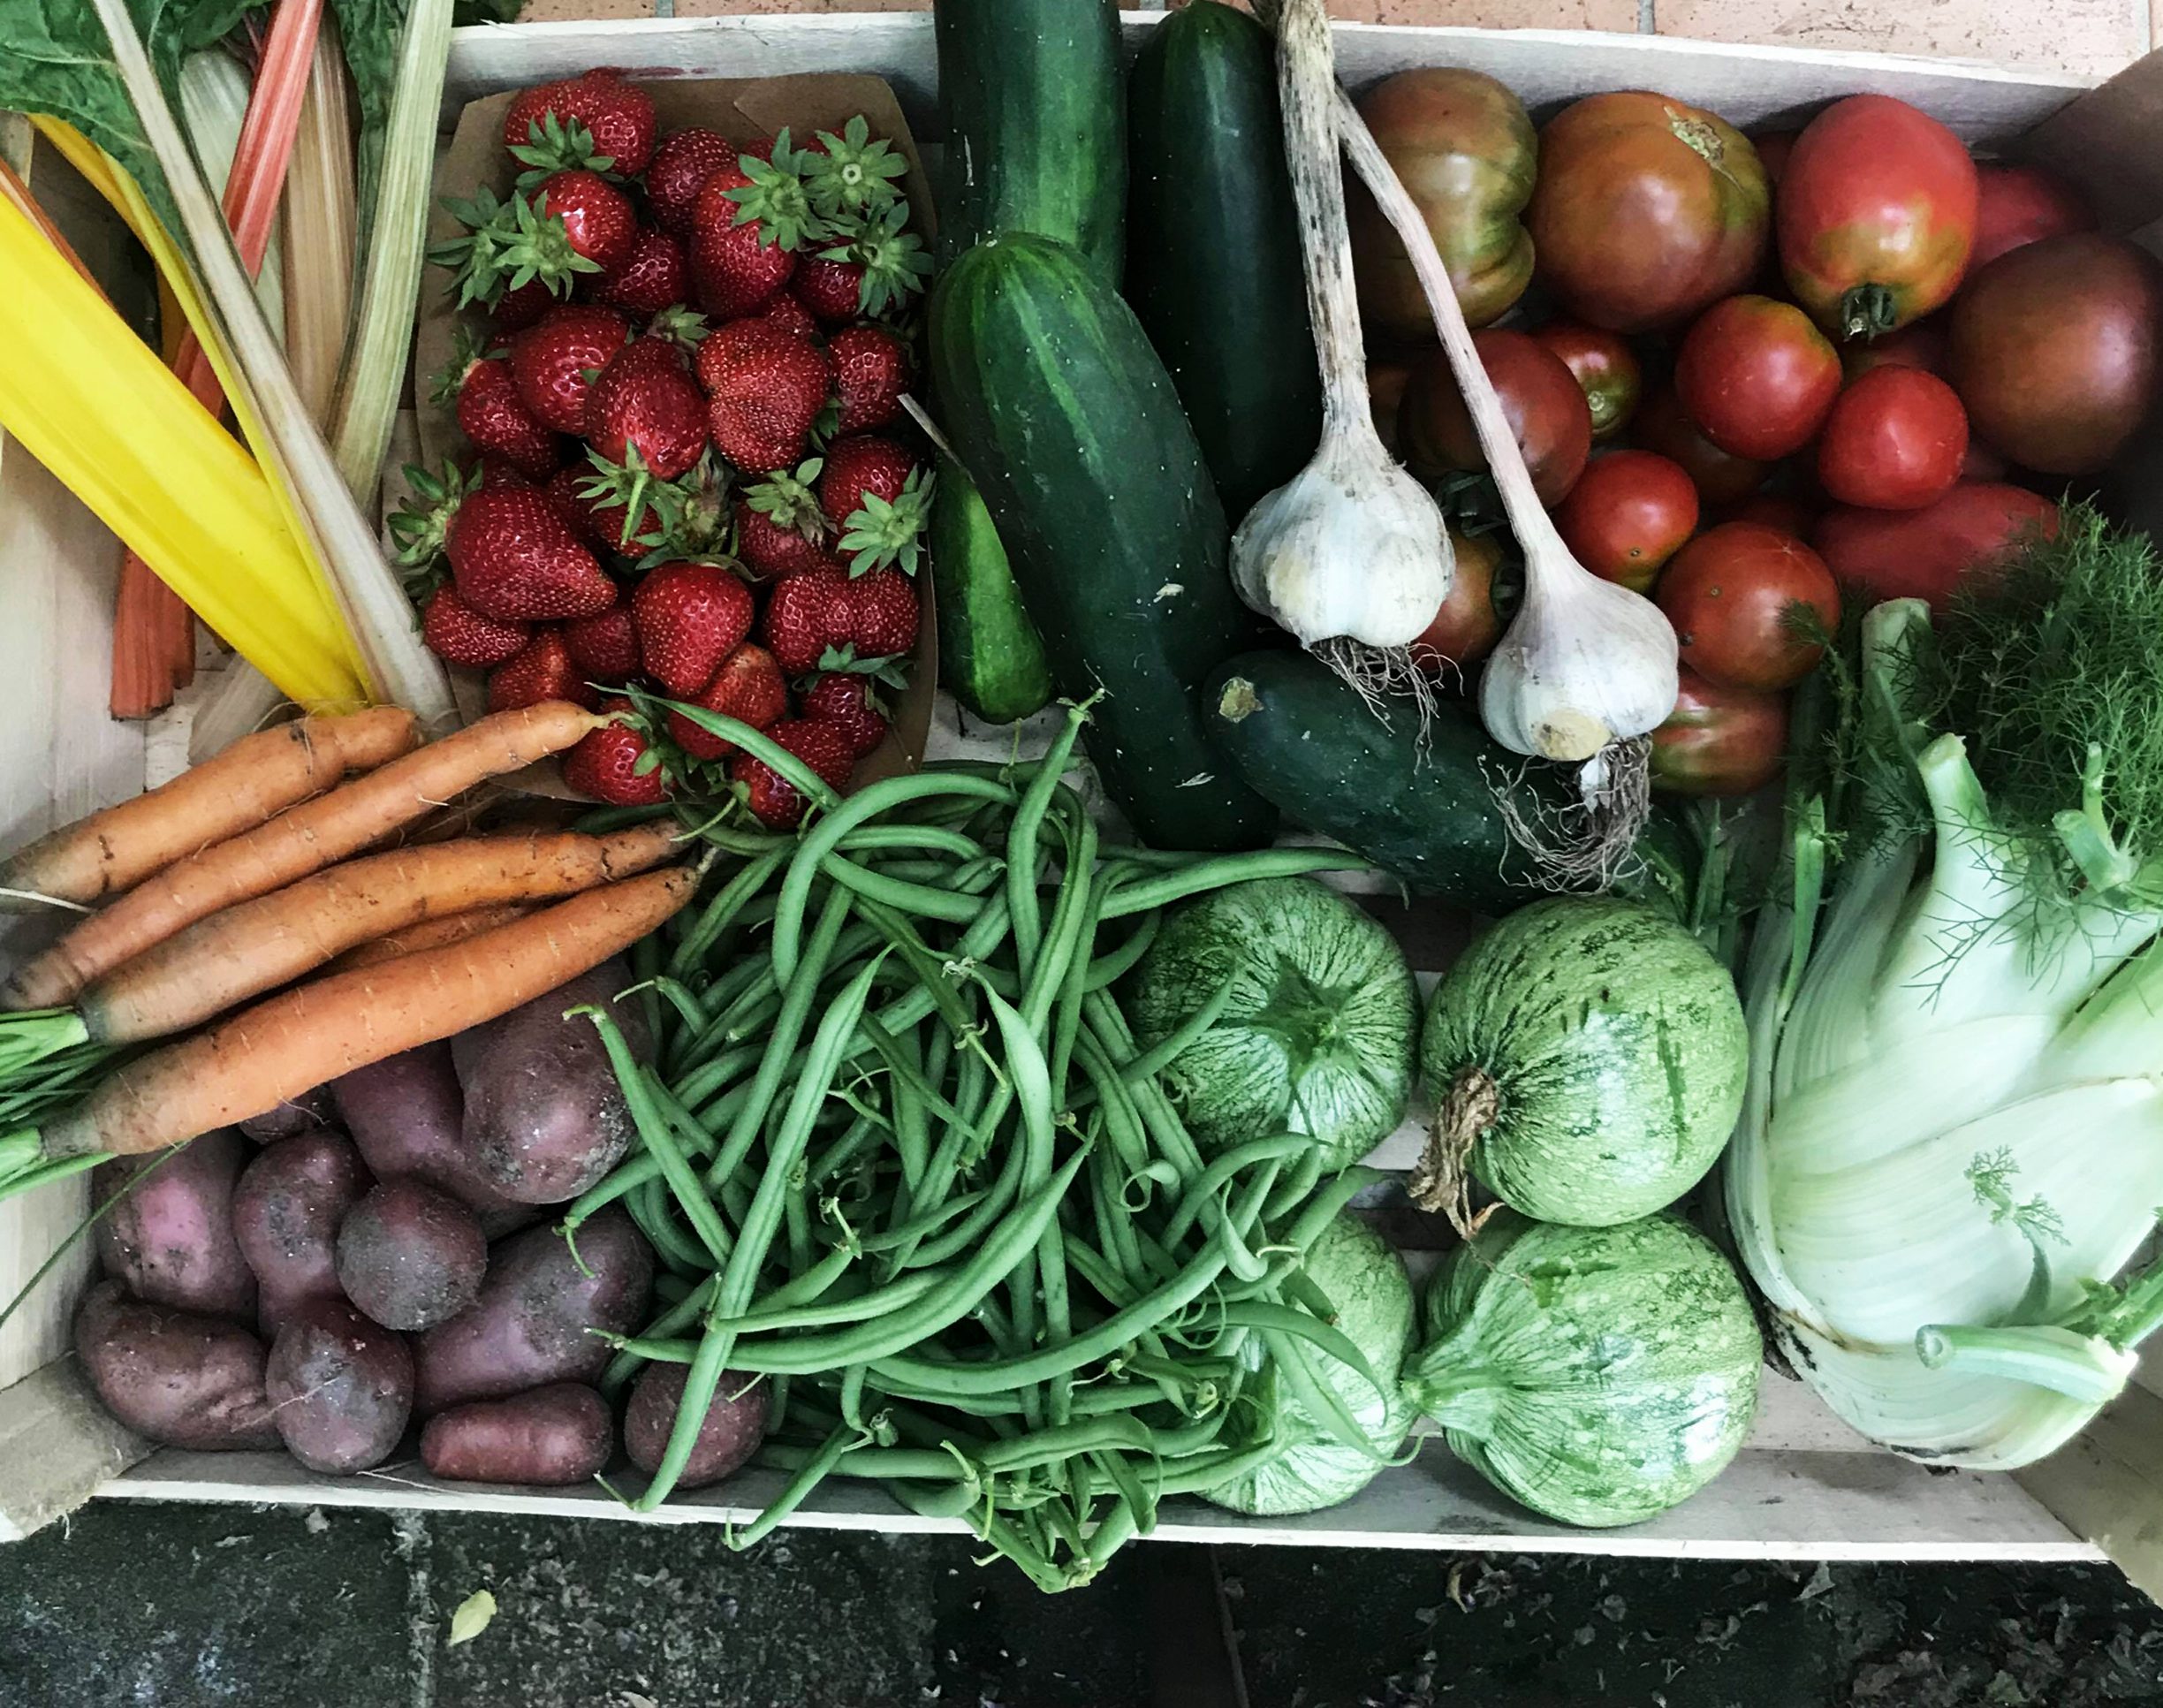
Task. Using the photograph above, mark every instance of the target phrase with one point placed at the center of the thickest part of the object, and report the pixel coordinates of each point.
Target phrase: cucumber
(1213, 259)
(1035, 133)
(992, 659)
(1066, 419)
(1295, 730)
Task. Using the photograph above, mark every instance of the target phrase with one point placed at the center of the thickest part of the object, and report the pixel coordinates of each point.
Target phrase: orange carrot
(302, 839)
(198, 974)
(429, 934)
(257, 777)
(252, 1062)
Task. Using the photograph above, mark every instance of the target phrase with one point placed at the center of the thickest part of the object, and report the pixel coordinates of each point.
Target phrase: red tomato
(1606, 369)
(1465, 628)
(1877, 215)
(1756, 377)
(2020, 204)
(1788, 514)
(1629, 512)
(1894, 441)
(1545, 406)
(1728, 592)
(1925, 554)
(1720, 741)
(1665, 426)
(1920, 345)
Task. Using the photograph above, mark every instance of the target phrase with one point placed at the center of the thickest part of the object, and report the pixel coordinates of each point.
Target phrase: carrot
(250, 1063)
(244, 951)
(429, 934)
(257, 777)
(303, 839)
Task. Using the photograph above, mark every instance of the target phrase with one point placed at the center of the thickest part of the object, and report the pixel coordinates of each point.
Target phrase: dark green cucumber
(1035, 127)
(1063, 413)
(1295, 730)
(992, 659)
(1213, 256)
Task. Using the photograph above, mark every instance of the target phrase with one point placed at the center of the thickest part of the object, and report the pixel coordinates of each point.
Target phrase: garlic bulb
(1352, 548)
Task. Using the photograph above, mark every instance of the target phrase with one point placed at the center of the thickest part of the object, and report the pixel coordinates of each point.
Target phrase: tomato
(1385, 390)
(1465, 628)
(1925, 554)
(1877, 215)
(2054, 350)
(1663, 426)
(1896, 440)
(1720, 741)
(1606, 368)
(1629, 512)
(1756, 377)
(1773, 148)
(1541, 398)
(2022, 204)
(1787, 513)
(1645, 211)
(1728, 593)
(1466, 153)
(1922, 345)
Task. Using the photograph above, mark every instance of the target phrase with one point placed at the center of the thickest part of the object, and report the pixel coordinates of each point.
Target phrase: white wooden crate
(1804, 1487)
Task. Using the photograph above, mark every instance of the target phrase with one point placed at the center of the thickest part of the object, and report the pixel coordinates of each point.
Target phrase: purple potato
(735, 1422)
(285, 1216)
(290, 1119)
(340, 1388)
(170, 1239)
(407, 1115)
(411, 1256)
(182, 1379)
(552, 1436)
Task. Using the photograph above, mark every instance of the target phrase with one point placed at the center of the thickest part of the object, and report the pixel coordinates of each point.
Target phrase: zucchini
(1066, 417)
(1213, 260)
(1036, 133)
(992, 659)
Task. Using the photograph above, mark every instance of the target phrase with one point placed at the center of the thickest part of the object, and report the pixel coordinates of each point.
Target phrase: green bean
(1175, 1042)
(756, 742)
(1296, 1188)
(906, 1076)
(1114, 964)
(1122, 1124)
(939, 1247)
(669, 1323)
(958, 905)
(919, 958)
(799, 1488)
(1317, 1397)
(636, 1082)
(1021, 833)
(923, 1226)
(880, 838)
(812, 1284)
(699, 1086)
(1214, 874)
(839, 1312)
(1199, 1194)
(720, 913)
(843, 1152)
(902, 1464)
(645, 958)
(649, 1209)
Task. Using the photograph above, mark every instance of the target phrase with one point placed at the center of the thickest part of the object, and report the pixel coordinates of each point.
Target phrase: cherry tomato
(1921, 345)
(1665, 426)
(1894, 441)
(1780, 510)
(1720, 741)
(2022, 204)
(1606, 369)
(1465, 628)
(1876, 215)
(1540, 396)
(1629, 512)
(1756, 377)
(1728, 593)
(1925, 554)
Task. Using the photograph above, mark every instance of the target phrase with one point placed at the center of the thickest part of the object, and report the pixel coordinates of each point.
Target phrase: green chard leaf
(368, 31)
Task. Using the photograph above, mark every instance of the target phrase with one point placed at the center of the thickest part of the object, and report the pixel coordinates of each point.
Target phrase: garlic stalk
(1351, 555)
(1585, 663)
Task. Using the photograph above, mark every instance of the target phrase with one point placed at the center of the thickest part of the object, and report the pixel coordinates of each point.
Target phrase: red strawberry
(690, 617)
(833, 290)
(617, 116)
(736, 268)
(581, 496)
(861, 468)
(495, 470)
(778, 804)
(806, 613)
(598, 219)
(645, 405)
(555, 359)
(493, 416)
(541, 671)
(654, 274)
(883, 614)
(767, 389)
(515, 559)
(871, 371)
(679, 170)
(880, 499)
(749, 687)
(604, 646)
(604, 765)
(780, 526)
(459, 635)
(790, 316)
(521, 306)
(844, 700)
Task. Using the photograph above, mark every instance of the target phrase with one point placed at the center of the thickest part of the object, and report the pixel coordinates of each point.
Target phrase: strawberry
(646, 407)
(554, 360)
(777, 803)
(736, 268)
(871, 372)
(844, 700)
(654, 274)
(521, 306)
(828, 611)
(749, 687)
(604, 646)
(515, 559)
(689, 616)
(541, 671)
(616, 118)
(767, 389)
(833, 290)
(881, 499)
(780, 526)
(679, 170)
(459, 635)
(612, 766)
(491, 414)
(850, 177)
(770, 191)
(786, 312)
(883, 614)
(495, 469)
(598, 220)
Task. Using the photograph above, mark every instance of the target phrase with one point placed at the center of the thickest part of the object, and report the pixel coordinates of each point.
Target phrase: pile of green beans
(900, 1156)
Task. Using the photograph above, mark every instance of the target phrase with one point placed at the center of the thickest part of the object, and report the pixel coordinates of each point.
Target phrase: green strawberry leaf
(855, 175)
(881, 532)
(555, 146)
(777, 201)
